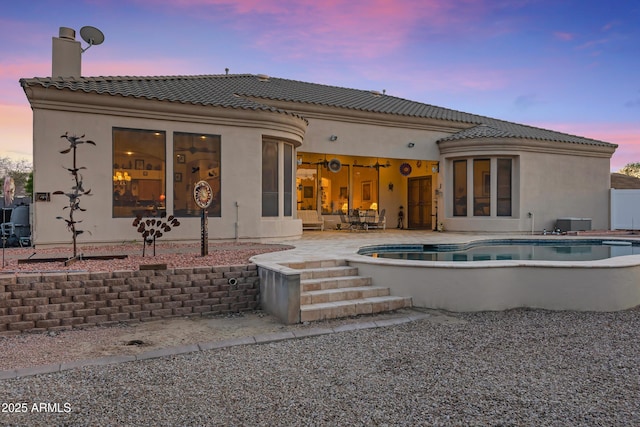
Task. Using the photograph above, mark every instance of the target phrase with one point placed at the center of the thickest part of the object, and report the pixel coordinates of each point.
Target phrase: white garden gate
(625, 209)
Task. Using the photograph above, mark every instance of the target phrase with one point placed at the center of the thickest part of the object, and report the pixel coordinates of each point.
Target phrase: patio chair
(344, 224)
(382, 221)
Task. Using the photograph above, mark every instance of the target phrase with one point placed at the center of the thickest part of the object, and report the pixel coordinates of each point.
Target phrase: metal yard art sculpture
(152, 228)
(203, 196)
(77, 191)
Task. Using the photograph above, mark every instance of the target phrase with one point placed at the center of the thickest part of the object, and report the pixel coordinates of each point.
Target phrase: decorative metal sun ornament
(405, 169)
(202, 194)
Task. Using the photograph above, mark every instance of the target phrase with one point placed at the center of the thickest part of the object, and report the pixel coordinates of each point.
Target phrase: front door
(419, 212)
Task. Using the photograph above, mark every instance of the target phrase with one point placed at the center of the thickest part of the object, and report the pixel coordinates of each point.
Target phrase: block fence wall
(57, 301)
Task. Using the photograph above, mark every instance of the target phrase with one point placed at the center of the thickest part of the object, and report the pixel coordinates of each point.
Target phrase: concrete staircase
(332, 289)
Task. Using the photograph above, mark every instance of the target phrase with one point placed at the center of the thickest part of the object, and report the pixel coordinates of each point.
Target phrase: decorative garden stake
(203, 196)
(76, 191)
(152, 228)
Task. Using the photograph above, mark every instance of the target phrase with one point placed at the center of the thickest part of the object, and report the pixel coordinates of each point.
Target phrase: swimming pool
(513, 249)
(606, 284)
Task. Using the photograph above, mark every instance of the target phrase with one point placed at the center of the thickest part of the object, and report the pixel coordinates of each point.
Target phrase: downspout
(237, 224)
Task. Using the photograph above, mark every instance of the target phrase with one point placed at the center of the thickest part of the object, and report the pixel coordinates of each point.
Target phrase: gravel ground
(174, 255)
(519, 367)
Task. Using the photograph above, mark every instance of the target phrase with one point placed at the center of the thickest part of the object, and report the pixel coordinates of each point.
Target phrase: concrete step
(346, 308)
(333, 283)
(337, 271)
(326, 263)
(331, 289)
(341, 294)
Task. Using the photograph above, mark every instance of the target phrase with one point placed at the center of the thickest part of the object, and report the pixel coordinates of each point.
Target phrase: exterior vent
(376, 93)
(263, 77)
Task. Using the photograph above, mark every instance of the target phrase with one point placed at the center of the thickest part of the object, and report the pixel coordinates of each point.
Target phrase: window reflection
(288, 179)
(196, 157)
(504, 187)
(138, 172)
(270, 178)
(481, 187)
(460, 187)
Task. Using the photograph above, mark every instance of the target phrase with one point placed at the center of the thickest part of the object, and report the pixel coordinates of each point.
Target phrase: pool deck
(332, 244)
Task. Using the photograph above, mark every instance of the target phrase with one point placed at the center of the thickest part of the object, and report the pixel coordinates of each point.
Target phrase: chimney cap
(67, 33)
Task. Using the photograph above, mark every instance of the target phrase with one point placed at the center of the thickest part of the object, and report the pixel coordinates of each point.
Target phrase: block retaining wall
(58, 301)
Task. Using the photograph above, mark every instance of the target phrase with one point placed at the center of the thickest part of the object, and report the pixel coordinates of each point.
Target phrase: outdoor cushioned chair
(382, 221)
(311, 220)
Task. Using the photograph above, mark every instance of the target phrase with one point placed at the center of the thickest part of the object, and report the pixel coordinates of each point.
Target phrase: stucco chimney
(66, 54)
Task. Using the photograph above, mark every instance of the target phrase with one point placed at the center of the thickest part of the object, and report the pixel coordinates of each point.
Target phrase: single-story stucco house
(270, 147)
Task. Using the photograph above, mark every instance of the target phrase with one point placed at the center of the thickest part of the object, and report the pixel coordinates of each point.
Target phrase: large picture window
(491, 183)
(196, 157)
(138, 172)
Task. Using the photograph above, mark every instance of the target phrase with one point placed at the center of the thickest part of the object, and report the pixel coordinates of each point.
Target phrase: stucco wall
(605, 285)
(241, 152)
(551, 180)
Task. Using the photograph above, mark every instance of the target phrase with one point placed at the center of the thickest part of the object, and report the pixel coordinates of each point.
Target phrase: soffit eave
(529, 145)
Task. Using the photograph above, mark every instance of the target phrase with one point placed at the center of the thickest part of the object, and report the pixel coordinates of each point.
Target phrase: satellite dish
(91, 35)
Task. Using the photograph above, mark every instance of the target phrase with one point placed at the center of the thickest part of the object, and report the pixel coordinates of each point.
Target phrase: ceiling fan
(193, 149)
(375, 166)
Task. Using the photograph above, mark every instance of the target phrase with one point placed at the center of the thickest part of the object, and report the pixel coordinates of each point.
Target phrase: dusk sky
(568, 65)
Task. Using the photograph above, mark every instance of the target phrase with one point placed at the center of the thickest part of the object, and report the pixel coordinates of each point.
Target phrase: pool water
(502, 250)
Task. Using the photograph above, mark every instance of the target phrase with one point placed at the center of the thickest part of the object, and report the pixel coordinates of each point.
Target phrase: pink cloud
(610, 25)
(14, 68)
(15, 132)
(151, 67)
(626, 135)
(345, 28)
(564, 36)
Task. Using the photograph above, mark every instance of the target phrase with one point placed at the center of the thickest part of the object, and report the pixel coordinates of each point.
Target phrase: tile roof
(243, 91)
